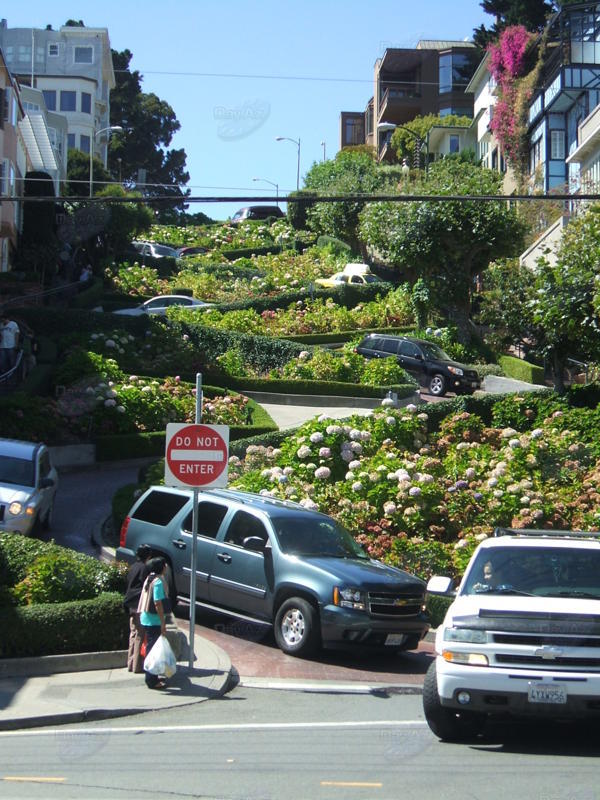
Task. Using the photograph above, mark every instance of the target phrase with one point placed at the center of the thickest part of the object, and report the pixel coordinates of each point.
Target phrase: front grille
(394, 605)
(471, 375)
(2, 509)
(540, 640)
(554, 663)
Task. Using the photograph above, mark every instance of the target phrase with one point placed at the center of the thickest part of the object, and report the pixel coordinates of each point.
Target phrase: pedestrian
(9, 342)
(86, 274)
(136, 576)
(153, 607)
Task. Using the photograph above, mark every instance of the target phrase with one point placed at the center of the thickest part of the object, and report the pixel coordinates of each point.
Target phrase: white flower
(480, 537)
(303, 451)
(525, 500)
(514, 443)
(357, 486)
(508, 433)
(411, 408)
(382, 468)
(233, 460)
(121, 409)
(316, 437)
(349, 475)
(357, 448)
(389, 508)
(470, 474)
(111, 392)
(410, 511)
(387, 402)
(333, 429)
(390, 420)
(426, 478)
(324, 452)
(109, 403)
(536, 433)
(365, 436)
(306, 502)
(492, 482)
(354, 434)
(354, 464)
(111, 343)
(462, 446)
(323, 473)
(288, 471)
(347, 455)
(498, 493)
(414, 491)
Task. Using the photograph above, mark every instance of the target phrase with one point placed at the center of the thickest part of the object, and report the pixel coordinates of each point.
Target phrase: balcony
(396, 99)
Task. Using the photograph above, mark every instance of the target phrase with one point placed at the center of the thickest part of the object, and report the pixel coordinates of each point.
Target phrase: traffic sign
(196, 455)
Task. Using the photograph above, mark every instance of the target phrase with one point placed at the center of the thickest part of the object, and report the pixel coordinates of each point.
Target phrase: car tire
(296, 627)
(446, 723)
(437, 385)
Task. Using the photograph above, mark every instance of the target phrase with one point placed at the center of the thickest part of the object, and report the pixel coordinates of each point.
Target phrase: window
(390, 346)
(83, 55)
(30, 106)
(9, 113)
(557, 145)
(24, 52)
(84, 143)
(454, 143)
(409, 349)
(210, 517)
(4, 177)
(71, 141)
(86, 103)
(244, 525)
(40, 54)
(68, 101)
(50, 98)
(445, 75)
(53, 49)
(159, 508)
(455, 71)
(535, 155)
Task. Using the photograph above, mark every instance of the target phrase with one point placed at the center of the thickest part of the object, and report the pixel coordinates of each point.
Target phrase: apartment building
(429, 79)
(72, 67)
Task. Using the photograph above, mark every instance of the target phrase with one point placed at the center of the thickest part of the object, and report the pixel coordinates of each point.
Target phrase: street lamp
(110, 129)
(323, 145)
(297, 143)
(276, 185)
(383, 127)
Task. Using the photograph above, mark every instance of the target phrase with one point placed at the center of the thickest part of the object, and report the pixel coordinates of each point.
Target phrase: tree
(566, 303)
(149, 125)
(78, 174)
(532, 14)
(352, 171)
(446, 243)
(505, 305)
(126, 221)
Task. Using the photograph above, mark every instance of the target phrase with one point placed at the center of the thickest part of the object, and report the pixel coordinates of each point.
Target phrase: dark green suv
(278, 563)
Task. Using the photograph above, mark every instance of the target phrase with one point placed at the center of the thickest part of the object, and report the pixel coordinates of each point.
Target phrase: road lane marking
(32, 779)
(353, 784)
(251, 726)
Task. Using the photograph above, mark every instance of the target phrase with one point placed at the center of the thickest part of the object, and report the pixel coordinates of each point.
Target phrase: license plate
(395, 639)
(546, 693)
(474, 385)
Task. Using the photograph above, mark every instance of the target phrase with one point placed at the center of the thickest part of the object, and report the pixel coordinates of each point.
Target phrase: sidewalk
(57, 690)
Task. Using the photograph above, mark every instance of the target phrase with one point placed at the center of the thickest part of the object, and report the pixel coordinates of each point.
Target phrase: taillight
(123, 535)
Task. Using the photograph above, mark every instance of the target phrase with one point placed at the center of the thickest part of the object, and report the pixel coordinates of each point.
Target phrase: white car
(159, 305)
(155, 250)
(28, 484)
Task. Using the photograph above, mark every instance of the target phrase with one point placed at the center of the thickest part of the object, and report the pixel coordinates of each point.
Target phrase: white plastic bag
(161, 659)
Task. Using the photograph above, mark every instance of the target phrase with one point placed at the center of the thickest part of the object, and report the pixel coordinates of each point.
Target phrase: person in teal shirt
(153, 619)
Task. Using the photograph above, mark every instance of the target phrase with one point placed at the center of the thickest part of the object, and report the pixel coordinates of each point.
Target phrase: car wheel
(437, 385)
(296, 627)
(446, 723)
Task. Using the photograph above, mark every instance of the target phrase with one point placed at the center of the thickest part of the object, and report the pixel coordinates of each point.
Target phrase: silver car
(28, 484)
(159, 305)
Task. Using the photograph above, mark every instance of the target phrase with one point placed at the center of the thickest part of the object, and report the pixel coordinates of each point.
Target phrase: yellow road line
(39, 779)
(358, 784)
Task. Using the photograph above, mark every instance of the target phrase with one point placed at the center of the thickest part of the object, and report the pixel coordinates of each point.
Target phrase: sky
(239, 74)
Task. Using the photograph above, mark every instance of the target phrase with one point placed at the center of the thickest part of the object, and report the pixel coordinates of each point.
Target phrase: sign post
(196, 457)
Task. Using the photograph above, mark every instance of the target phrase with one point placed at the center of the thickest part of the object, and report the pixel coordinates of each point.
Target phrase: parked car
(154, 250)
(28, 484)
(427, 362)
(256, 212)
(280, 564)
(182, 252)
(159, 305)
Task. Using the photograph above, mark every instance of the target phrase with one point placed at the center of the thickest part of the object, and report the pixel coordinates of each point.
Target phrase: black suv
(279, 564)
(256, 212)
(426, 361)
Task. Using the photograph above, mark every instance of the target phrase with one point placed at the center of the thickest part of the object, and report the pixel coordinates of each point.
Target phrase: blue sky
(287, 68)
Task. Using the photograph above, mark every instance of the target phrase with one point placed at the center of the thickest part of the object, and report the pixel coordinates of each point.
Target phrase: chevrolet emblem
(548, 653)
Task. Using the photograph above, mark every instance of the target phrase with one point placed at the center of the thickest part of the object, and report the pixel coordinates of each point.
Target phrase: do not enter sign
(196, 455)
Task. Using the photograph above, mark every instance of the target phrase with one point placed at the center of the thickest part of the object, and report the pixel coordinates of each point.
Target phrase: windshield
(302, 536)
(433, 351)
(541, 571)
(17, 471)
(371, 279)
(164, 251)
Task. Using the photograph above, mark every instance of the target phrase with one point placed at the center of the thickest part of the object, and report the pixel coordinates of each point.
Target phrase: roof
(35, 133)
(441, 44)
(18, 449)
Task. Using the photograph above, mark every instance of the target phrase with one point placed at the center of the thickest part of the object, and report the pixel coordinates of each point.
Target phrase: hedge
(346, 336)
(85, 626)
(248, 252)
(436, 608)
(306, 387)
(521, 370)
(38, 380)
(58, 322)
(90, 296)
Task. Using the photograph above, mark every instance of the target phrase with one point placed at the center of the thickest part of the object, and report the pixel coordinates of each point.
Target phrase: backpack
(146, 601)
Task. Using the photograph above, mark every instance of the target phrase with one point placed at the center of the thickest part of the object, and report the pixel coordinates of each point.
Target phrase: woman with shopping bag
(153, 608)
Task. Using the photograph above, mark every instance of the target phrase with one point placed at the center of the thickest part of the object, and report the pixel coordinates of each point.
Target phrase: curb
(54, 665)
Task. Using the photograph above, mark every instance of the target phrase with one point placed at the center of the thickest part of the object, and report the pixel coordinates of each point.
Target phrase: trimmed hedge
(86, 626)
(58, 322)
(328, 388)
(521, 370)
(248, 252)
(347, 295)
(346, 336)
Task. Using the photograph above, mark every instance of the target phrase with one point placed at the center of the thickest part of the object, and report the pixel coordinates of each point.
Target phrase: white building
(45, 135)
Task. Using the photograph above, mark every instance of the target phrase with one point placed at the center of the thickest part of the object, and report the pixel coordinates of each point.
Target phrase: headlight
(471, 659)
(465, 635)
(349, 598)
(456, 371)
(15, 509)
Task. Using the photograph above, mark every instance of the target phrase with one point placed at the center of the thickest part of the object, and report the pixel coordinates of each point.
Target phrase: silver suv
(279, 564)
(28, 484)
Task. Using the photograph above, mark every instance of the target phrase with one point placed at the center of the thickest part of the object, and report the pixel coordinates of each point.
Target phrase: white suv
(28, 484)
(522, 637)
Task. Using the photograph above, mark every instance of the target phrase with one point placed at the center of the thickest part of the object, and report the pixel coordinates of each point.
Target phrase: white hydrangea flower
(389, 508)
(537, 433)
(288, 471)
(324, 452)
(470, 473)
(322, 473)
(354, 464)
(514, 443)
(357, 486)
(316, 437)
(414, 491)
(333, 430)
(387, 402)
(110, 403)
(508, 433)
(354, 434)
(306, 502)
(303, 451)
(349, 475)
(411, 408)
(390, 420)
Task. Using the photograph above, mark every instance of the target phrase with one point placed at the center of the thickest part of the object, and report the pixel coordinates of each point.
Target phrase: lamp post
(110, 129)
(383, 127)
(276, 185)
(323, 145)
(297, 143)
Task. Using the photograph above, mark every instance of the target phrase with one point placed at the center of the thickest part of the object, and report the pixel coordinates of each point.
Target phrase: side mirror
(439, 584)
(46, 483)
(254, 543)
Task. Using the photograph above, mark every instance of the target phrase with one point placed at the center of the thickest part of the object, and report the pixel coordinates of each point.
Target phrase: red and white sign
(196, 455)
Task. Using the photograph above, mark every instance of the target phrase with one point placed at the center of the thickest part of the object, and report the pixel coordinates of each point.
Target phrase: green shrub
(82, 363)
(296, 212)
(437, 607)
(584, 396)
(246, 252)
(336, 245)
(86, 626)
(527, 410)
(38, 380)
(521, 370)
